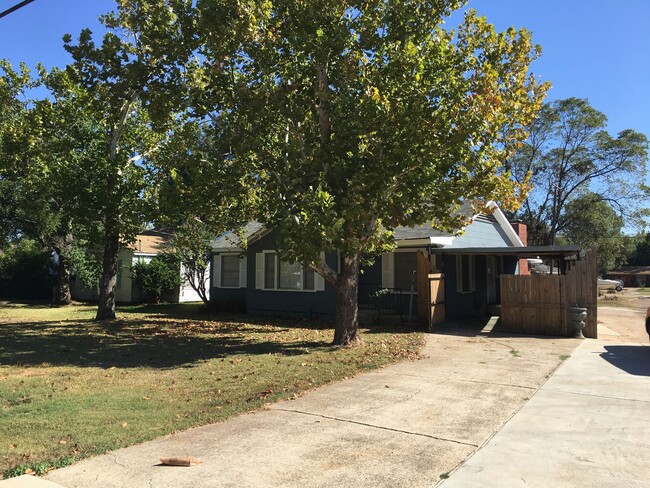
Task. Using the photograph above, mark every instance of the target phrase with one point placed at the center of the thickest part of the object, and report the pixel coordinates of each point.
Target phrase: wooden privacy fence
(539, 304)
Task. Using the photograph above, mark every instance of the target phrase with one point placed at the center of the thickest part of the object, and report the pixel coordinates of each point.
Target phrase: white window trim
(388, 269)
(216, 263)
(260, 275)
(459, 274)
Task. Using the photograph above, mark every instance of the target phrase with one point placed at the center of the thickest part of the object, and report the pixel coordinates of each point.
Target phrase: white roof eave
(505, 224)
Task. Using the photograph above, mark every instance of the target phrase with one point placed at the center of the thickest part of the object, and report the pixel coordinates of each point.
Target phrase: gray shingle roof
(425, 230)
(418, 232)
(231, 240)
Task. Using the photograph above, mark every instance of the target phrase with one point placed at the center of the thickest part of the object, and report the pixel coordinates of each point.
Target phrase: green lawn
(71, 388)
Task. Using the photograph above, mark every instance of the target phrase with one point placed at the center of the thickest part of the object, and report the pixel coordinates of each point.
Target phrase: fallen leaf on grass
(62, 442)
(264, 394)
(125, 425)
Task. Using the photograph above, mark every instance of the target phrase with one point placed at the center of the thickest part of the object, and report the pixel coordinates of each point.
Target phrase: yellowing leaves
(410, 49)
(374, 93)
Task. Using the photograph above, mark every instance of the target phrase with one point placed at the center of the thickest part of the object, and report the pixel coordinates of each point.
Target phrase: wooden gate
(436, 299)
(431, 292)
(539, 304)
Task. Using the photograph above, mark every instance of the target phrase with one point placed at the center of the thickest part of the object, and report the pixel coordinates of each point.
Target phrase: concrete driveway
(406, 425)
(588, 426)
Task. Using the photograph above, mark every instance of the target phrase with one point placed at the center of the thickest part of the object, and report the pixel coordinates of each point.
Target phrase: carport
(534, 304)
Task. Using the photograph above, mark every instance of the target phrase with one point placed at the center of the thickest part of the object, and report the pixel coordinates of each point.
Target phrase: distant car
(610, 284)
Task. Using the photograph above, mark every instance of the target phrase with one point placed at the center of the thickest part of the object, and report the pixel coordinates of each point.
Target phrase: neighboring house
(258, 282)
(148, 244)
(632, 276)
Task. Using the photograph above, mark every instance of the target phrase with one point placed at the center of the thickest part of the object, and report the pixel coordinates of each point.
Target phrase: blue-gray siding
(465, 305)
(473, 304)
(483, 232)
(278, 302)
(369, 281)
(229, 299)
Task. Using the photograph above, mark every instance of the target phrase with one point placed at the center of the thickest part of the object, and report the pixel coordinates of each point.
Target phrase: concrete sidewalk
(588, 426)
(406, 425)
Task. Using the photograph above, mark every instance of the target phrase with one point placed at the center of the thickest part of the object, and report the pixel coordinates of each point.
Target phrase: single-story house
(258, 282)
(632, 276)
(148, 244)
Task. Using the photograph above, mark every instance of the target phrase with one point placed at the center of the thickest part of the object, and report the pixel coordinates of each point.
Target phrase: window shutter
(319, 281)
(217, 271)
(388, 270)
(259, 271)
(243, 260)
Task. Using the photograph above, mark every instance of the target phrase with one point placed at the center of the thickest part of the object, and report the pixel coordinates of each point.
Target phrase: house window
(269, 271)
(230, 271)
(465, 276)
(281, 275)
(405, 266)
(397, 270)
(290, 276)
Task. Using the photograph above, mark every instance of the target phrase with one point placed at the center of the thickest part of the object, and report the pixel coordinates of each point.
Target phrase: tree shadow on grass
(167, 310)
(135, 343)
(391, 329)
(26, 303)
(200, 312)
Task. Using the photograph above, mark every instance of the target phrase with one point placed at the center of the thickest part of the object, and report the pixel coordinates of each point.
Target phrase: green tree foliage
(640, 255)
(76, 170)
(158, 277)
(25, 271)
(592, 223)
(13, 110)
(47, 170)
(349, 119)
(190, 245)
(568, 153)
(121, 82)
(86, 262)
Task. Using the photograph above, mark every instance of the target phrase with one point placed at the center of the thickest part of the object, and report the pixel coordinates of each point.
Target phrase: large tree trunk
(62, 294)
(346, 331)
(108, 280)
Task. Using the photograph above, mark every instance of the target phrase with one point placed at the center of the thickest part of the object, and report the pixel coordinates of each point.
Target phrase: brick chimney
(522, 231)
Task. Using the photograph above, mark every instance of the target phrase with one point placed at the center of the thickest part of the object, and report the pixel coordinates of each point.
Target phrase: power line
(15, 7)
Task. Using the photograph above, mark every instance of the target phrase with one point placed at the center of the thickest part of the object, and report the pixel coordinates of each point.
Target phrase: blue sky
(595, 49)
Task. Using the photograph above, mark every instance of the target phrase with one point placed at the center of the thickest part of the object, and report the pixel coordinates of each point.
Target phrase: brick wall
(522, 232)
